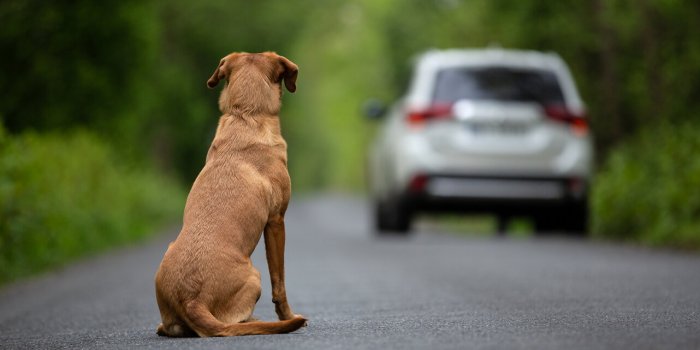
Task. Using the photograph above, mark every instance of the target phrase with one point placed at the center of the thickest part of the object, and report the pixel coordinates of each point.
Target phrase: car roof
(489, 57)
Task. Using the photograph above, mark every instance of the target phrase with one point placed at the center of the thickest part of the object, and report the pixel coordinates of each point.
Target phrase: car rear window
(498, 84)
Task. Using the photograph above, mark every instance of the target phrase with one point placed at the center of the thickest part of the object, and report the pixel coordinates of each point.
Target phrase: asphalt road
(433, 290)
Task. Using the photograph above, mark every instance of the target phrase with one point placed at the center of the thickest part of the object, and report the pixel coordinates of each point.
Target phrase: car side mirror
(374, 109)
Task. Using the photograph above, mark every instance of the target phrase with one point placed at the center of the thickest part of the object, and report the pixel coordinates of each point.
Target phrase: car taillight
(418, 183)
(577, 122)
(420, 116)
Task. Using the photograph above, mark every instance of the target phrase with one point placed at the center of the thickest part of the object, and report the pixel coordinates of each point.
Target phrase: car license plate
(497, 128)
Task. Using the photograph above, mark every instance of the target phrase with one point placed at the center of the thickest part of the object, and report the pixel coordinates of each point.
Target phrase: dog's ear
(289, 73)
(219, 74)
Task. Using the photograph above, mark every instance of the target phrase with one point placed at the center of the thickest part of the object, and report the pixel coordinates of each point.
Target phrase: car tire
(392, 216)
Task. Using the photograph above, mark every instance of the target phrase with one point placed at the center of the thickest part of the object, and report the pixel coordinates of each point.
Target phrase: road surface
(434, 290)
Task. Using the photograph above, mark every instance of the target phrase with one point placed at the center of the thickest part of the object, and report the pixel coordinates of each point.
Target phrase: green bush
(648, 189)
(66, 195)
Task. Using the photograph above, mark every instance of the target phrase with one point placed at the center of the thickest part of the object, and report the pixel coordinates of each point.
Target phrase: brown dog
(206, 284)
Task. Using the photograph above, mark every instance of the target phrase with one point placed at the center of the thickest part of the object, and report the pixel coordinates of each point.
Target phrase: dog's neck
(240, 132)
(250, 93)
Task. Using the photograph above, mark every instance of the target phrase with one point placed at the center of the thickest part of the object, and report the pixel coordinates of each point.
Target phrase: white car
(490, 130)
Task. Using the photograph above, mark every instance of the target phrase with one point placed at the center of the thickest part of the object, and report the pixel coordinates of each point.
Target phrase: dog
(206, 284)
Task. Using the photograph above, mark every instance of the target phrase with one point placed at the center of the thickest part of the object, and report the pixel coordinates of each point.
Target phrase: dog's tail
(206, 325)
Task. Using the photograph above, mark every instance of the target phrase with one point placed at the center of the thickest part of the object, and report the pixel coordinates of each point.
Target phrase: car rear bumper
(493, 194)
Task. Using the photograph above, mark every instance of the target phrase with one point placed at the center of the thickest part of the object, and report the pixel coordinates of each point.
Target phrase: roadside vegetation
(647, 190)
(131, 76)
(63, 195)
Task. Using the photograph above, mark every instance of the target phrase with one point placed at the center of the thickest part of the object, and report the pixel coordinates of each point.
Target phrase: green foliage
(64, 195)
(647, 190)
(71, 63)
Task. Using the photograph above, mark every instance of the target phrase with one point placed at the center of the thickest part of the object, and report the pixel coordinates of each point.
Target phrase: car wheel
(392, 216)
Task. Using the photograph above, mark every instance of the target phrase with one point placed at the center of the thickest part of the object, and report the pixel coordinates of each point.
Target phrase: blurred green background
(106, 118)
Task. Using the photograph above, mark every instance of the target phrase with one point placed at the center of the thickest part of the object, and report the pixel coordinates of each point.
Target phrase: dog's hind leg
(172, 325)
(241, 306)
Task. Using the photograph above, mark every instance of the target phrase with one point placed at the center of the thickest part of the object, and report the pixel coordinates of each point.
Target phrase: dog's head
(253, 81)
(274, 66)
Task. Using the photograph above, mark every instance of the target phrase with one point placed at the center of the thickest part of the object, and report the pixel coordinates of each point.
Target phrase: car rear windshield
(498, 84)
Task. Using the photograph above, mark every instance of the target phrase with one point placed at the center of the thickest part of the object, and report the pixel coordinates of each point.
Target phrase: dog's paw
(306, 321)
(161, 330)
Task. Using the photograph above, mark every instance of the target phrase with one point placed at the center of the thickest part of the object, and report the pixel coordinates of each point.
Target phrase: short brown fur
(206, 284)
